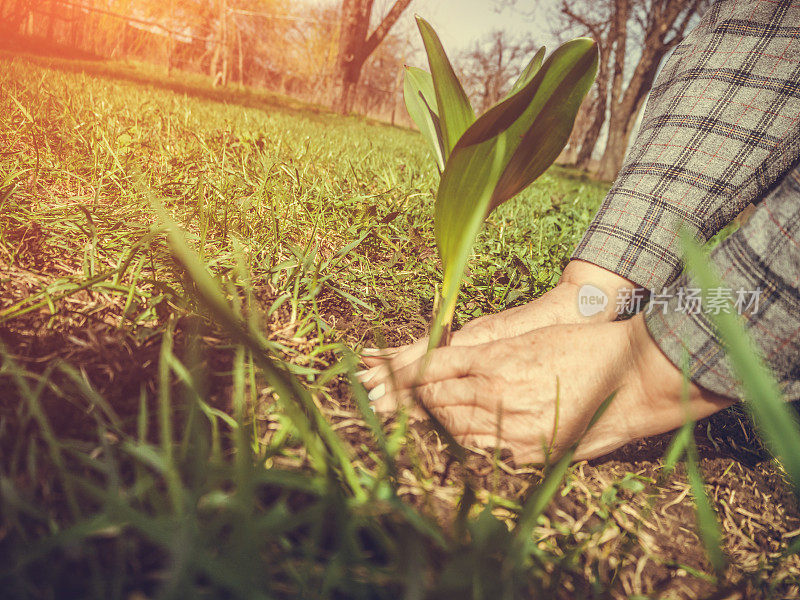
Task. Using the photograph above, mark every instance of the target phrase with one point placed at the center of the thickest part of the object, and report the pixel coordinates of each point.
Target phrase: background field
(146, 447)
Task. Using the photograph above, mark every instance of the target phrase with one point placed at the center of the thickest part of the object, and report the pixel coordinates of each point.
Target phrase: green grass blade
(677, 446)
(31, 397)
(775, 420)
(534, 506)
(683, 444)
(296, 400)
(455, 111)
(707, 524)
(174, 486)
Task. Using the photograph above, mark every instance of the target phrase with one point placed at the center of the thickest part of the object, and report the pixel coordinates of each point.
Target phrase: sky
(461, 22)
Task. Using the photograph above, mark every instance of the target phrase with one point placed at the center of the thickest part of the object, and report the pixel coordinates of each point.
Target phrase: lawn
(185, 276)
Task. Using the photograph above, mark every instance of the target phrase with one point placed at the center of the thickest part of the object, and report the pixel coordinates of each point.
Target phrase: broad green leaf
(775, 420)
(528, 72)
(455, 111)
(420, 99)
(504, 151)
(550, 131)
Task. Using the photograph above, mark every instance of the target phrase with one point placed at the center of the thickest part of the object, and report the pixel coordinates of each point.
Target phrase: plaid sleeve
(760, 268)
(720, 129)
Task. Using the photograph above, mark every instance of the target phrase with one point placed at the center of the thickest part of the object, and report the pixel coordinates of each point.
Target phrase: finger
(376, 356)
(404, 355)
(391, 403)
(373, 361)
(483, 441)
(379, 378)
(401, 373)
(401, 356)
(455, 402)
(450, 362)
(466, 421)
(374, 376)
(454, 392)
(522, 453)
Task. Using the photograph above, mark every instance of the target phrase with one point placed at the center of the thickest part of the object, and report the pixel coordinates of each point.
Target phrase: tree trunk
(241, 55)
(625, 110)
(592, 130)
(355, 46)
(660, 26)
(398, 85)
(18, 13)
(351, 73)
(625, 107)
(592, 134)
(74, 27)
(356, 15)
(615, 150)
(225, 45)
(569, 155)
(51, 22)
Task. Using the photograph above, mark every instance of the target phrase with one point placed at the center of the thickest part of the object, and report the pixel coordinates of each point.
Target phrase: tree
(633, 37)
(664, 24)
(592, 114)
(490, 67)
(14, 14)
(356, 43)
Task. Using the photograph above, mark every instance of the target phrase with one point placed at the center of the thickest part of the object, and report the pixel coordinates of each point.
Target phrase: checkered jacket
(721, 130)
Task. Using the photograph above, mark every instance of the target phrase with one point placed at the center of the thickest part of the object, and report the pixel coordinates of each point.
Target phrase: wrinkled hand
(558, 374)
(556, 307)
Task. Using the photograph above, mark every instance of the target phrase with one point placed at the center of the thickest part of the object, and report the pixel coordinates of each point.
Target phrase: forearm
(758, 266)
(719, 129)
(650, 397)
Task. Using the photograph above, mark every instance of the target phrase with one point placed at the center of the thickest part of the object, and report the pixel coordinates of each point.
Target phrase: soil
(638, 532)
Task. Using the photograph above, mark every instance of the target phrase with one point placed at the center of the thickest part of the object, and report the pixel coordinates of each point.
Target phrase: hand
(557, 306)
(559, 374)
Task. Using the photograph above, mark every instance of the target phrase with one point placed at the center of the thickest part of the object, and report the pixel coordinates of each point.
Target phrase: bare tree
(663, 24)
(356, 43)
(490, 67)
(633, 37)
(596, 23)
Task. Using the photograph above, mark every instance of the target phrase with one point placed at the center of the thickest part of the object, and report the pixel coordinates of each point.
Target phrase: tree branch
(592, 28)
(382, 30)
(681, 28)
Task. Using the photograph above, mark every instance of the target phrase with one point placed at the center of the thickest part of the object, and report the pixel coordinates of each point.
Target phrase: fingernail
(365, 375)
(371, 351)
(377, 393)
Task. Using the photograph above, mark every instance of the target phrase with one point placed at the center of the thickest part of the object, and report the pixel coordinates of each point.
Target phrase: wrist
(659, 385)
(594, 291)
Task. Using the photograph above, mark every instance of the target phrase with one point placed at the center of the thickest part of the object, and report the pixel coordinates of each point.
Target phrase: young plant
(487, 160)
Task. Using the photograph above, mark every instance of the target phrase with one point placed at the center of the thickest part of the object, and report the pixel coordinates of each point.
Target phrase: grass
(184, 276)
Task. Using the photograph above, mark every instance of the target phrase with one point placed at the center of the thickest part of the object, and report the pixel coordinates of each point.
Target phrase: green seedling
(487, 160)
